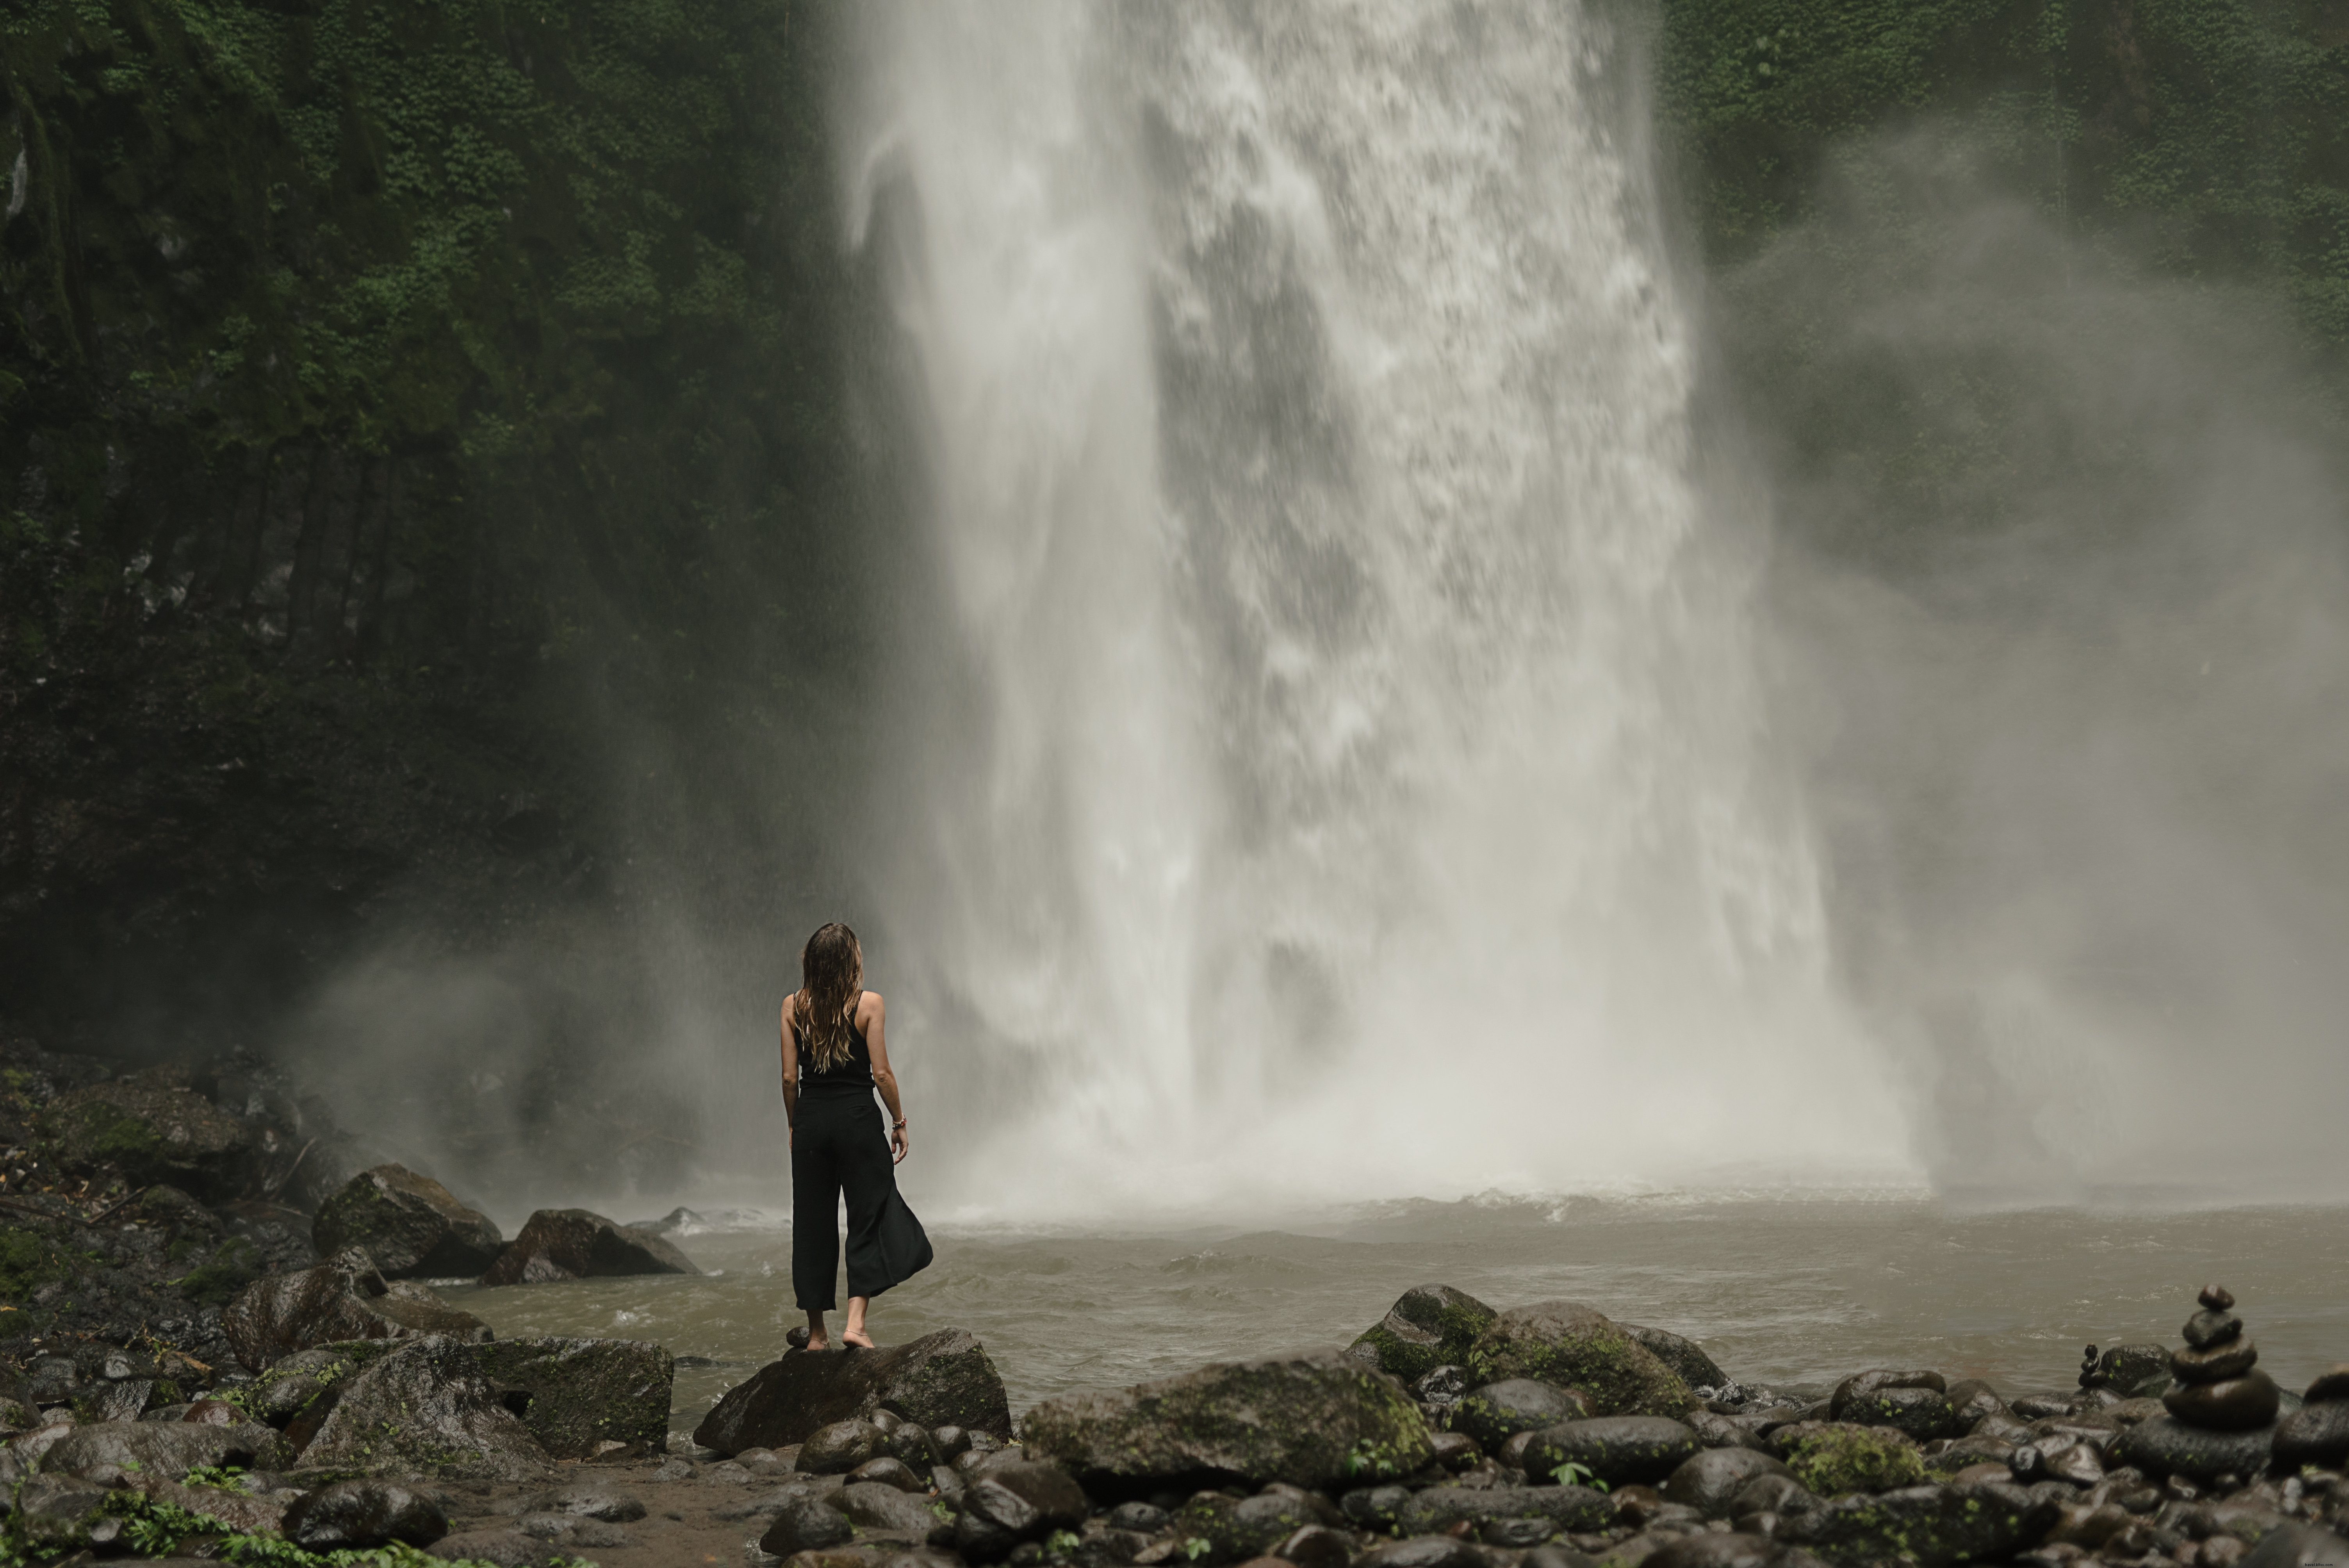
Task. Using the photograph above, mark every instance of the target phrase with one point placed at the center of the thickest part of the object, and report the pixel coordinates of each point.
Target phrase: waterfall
(1336, 760)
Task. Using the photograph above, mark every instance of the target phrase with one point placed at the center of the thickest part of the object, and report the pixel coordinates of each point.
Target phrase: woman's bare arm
(790, 1068)
(876, 1042)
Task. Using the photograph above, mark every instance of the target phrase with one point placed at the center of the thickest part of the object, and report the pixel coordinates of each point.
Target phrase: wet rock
(1317, 1546)
(571, 1532)
(2315, 1434)
(2298, 1546)
(53, 1514)
(2231, 1359)
(2331, 1383)
(166, 1448)
(2165, 1446)
(2077, 1463)
(2207, 1329)
(1569, 1508)
(591, 1502)
(1312, 1421)
(889, 1470)
(572, 1244)
(1238, 1530)
(1010, 1503)
(1974, 1399)
(150, 1133)
(1497, 1412)
(411, 1225)
(1441, 1388)
(1141, 1518)
(241, 1511)
(1422, 1551)
(805, 1526)
(874, 1505)
(942, 1380)
(1774, 1494)
(1830, 1458)
(1710, 1481)
(505, 1547)
(1689, 1363)
(1720, 1432)
(2236, 1405)
(839, 1447)
(1617, 1450)
(1455, 1451)
(1923, 1414)
(1375, 1508)
(1431, 1326)
(342, 1299)
(425, 1407)
(2129, 1369)
(586, 1394)
(1926, 1524)
(1569, 1344)
(1712, 1551)
(350, 1514)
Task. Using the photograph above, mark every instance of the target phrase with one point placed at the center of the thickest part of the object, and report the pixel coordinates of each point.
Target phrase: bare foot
(856, 1338)
(816, 1342)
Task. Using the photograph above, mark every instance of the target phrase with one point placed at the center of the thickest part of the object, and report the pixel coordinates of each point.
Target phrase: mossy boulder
(426, 1406)
(412, 1226)
(1830, 1458)
(1567, 1343)
(294, 1385)
(1930, 1525)
(588, 1397)
(150, 1133)
(343, 1298)
(1313, 1420)
(1431, 1326)
(1684, 1356)
(942, 1379)
(166, 1449)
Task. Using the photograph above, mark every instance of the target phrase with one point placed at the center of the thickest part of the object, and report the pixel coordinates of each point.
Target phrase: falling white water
(1345, 769)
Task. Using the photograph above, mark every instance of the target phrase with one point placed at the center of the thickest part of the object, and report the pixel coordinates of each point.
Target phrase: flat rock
(1931, 1525)
(425, 1408)
(1620, 1450)
(586, 1393)
(166, 1449)
(151, 1133)
(412, 1226)
(942, 1379)
(352, 1514)
(506, 1548)
(1429, 1326)
(1497, 1412)
(1569, 1344)
(1316, 1421)
(1438, 1507)
(572, 1244)
(344, 1299)
(875, 1505)
(1689, 1363)
(2165, 1446)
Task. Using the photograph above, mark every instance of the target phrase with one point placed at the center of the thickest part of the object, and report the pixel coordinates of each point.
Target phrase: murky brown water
(1775, 1290)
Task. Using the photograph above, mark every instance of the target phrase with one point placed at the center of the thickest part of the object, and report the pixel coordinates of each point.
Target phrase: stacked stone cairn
(2220, 1387)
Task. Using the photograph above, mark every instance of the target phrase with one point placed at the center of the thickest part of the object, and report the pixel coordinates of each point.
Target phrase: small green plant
(220, 1478)
(1198, 1546)
(1573, 1474)
(1062, 1544)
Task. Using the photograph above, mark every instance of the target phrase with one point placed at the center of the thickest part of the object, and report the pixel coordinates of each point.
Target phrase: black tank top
(853, 1076)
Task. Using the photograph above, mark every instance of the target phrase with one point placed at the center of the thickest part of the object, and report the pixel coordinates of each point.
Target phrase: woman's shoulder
(867, 1004)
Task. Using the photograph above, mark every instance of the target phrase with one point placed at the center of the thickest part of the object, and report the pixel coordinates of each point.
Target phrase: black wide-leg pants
(838, 1145)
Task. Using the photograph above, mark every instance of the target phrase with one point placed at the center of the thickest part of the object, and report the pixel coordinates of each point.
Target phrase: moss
(28, 1262)
(1574, 1348)
(1855, 1459)
(235, 1264)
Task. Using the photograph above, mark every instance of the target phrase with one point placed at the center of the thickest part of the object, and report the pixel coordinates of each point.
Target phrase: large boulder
(425, 1408)
(1314, 1420)
(589, 1398)
(1010, 1503)
(2165, 1446)
(344, 1299)
(166, 1449)
(1930, 1525)
(572, 1244)
(1431, 1326)
(150, 1133)
(351, 1514)
(942, 1379)
(412, 1226)
(1711, 1482)
(1499, 1411)
(1690, 1364)
(1567, 1343)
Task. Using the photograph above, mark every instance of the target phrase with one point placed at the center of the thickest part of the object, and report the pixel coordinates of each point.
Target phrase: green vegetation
(1856, 1458)
(28, 1261)
(234, 1265)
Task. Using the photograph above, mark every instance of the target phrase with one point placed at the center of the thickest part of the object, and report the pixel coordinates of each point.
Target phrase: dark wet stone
(1716, 1551)
(2229, 1358)
(1715, 1431)
(838, 1448)
(1454, 1451)
(1710, 1480)
(586, 1395)
(1142, 1518)
(1616, 1449)
(1313, 1420)
(1015, 1501)
(1242, 1528)
(1689, 1363)
(412, 1226)
(1429, 1326)
(505, 1547)
(1928, 1524)
(2037, 1407)
(2128, 1368)
(943, 1381)
(1499, 1411)
(2331, 1383)
(351, 1514)
(1556, 1556)
(1923, 1414)
(1572, 1508)
(806, 1526)
(1860, 1384)
(1972, 1399)
(150, 1133)
(2217, 1298)
(168, 1449)
(2238, 1404)
(1441, 1388)
(877, 1505)
(2298, 1546)
(573, 1243)
(1375, 1508)
(2077, 1463)
(1422, 1551)
(1317, 1546)
(2205, 1329)
(2165, 1446)
(1772, 1494)
(591, 1502)
(1569, 1345)
(342, 1299)
(949, 1443)
(2315, 1434)
(888, 1470)
(425, 1407)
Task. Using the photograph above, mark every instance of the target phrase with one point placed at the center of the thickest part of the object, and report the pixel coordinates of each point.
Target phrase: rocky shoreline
(215, 1345)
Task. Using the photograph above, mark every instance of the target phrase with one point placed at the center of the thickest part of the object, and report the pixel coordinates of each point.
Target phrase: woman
(834, 1057)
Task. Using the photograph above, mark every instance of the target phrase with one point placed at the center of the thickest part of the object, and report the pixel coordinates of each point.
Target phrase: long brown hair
(831, 976)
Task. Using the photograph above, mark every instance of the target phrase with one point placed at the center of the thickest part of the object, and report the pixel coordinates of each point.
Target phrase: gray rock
(1712, 1551)
(1375, 1508)
(1716, 1432)
(412, 1226)
(1429, 1326)
(806, 1527)
(942, 1380)
(506, 1548)
(1139, 1517)
(1922, 1414)
(1931, 1525)
(839, 1447)
(874, 1505)
(1497, 1412)
(1422, 1551)
(286, 1390)
(2298, 1546)
(1772, 1494)
(591, 1502)
(1710, 1481)
(571, 1532)
(1242, 1529)
(1691, 1364)
(1312, 1421)
(55, 1512)
(587, 1394)
(2315, 1434)
(1569, 1344)
(351, 1514)
(1618, 1450)
(572, 1244)
(169, 1450)
(1010, 1503)
(2165, 1446)
(889, 1470)
(425, 1407)
(344, 1299)
(1438, 1507)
